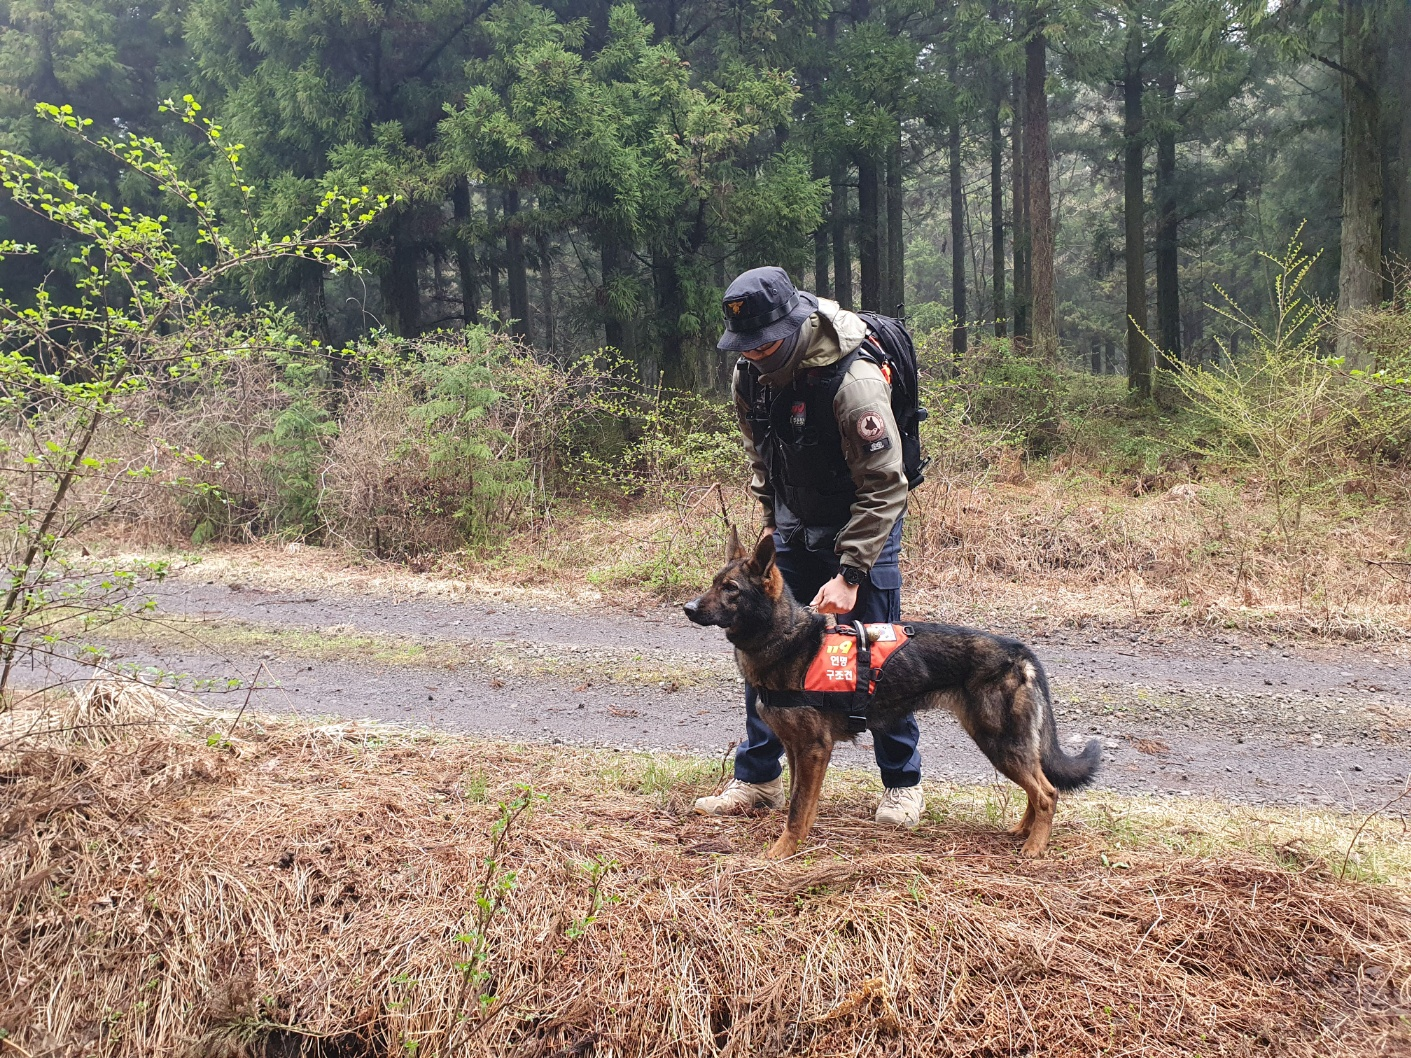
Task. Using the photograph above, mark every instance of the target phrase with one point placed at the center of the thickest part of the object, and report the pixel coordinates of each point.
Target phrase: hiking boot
(902, 807)
(740, 797)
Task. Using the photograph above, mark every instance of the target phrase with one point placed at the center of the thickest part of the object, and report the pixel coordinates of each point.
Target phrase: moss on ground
(343, 643)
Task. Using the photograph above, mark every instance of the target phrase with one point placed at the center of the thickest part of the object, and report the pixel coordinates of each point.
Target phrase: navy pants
(878, 601)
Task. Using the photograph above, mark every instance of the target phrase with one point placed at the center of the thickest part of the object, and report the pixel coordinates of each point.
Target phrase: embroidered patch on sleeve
(872, 432)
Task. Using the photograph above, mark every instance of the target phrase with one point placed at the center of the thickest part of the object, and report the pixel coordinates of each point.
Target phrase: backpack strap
(758, 397)
(872, 351)
(750, 375)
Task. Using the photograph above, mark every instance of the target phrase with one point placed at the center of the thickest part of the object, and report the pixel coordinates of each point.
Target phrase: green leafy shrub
(1288, 416)
(1001, 396)
(682, 453)
(452, 441)
(380, 493)
(1015, 393)
(265, 413)
(1386, 402)
(672, 441)
(147, 315)
(1137, 442)
(931, 318)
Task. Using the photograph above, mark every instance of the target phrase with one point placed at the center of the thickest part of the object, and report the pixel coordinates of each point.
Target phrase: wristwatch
(853, 575)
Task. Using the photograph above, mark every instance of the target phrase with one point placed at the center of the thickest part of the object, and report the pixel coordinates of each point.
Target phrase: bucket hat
(762, 306)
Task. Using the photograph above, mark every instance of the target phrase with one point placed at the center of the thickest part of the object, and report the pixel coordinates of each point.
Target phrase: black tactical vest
(796, 434)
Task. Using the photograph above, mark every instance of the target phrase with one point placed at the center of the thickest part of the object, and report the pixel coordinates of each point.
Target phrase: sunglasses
(763, 351)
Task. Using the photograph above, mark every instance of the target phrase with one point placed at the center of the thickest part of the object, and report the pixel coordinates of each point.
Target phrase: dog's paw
(782, 849)
(1034, 850)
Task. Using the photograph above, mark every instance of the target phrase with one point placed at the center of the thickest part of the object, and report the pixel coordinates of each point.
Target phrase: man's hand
(835, 597)
(768, 530)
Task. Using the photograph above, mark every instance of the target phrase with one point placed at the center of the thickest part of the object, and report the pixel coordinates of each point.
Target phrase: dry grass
(169, 891)
(1071, 548)
(1007, 547)
(295, 568)
(1051, 550)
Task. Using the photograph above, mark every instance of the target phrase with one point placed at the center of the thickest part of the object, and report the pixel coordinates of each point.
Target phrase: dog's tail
(1064, 771)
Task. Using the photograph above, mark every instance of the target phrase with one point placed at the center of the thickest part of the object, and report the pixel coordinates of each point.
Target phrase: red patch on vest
(834, 667)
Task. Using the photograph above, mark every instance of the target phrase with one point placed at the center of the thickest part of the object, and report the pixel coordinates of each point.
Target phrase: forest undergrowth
(1007, 538)
(1267, 491)
(1270, 497)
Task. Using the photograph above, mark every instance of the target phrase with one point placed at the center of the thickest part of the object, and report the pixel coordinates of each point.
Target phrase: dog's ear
(767, 568)
(733, 549)
(764, 554)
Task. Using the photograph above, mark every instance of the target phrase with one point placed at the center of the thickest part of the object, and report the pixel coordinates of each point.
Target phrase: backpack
(889, 346)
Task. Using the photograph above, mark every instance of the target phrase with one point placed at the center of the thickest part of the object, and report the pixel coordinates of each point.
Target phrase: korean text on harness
(843, 675)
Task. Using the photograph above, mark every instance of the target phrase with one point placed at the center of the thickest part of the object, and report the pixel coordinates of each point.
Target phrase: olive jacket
(862, 402)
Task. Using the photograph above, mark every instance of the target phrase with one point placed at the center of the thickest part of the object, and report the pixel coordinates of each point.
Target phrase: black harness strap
(862, 689)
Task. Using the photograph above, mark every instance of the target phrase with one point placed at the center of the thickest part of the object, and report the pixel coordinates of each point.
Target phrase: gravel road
(1222, 715)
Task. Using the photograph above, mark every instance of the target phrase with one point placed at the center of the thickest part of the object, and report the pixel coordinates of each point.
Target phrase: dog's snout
(691, 607)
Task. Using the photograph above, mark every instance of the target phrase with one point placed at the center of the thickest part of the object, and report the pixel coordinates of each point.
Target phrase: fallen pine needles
(322, 890)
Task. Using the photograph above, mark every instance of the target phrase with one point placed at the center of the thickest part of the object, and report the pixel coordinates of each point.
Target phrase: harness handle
(862, 689)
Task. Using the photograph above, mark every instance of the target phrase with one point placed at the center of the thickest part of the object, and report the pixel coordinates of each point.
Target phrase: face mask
(777, 360)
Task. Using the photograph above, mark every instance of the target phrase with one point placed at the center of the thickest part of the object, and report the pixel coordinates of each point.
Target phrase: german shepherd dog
(995, 687)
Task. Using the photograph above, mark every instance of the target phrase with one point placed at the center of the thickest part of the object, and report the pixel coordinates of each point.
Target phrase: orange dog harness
(844, 673)
(834, 667)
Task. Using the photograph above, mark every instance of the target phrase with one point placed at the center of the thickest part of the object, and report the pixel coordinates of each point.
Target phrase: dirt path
(1228, 715)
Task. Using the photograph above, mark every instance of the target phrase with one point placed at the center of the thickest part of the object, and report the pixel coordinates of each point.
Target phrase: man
(818, 427)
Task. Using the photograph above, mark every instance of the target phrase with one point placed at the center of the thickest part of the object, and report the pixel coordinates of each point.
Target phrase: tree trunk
(868, 243)
(516, 274)
(465, 259)
(311, 300)
(1020, 208)
(884, 246)
(675, 370)
(1192, 334)
(842, 249)
(1389, 110)
(821, 249)
(1168, 290)
(957, 241)
(1042, 293)
(1360, 276)
(1402, 245)
(614, 332)
(401, 285)
(1134, 213)
(997, 205)
(492, 259)
(896, 238)
(546, 285)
